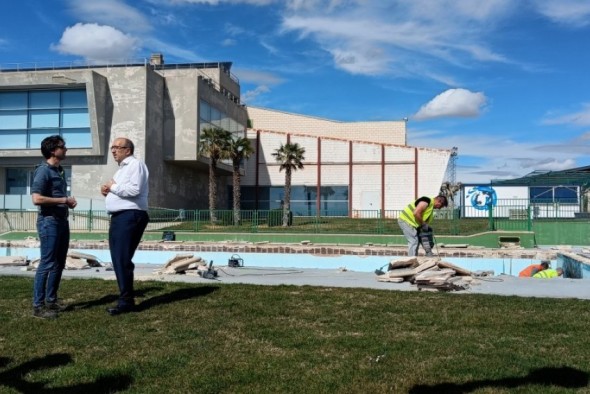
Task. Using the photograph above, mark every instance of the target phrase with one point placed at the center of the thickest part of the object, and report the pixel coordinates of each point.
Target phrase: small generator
(235, 261)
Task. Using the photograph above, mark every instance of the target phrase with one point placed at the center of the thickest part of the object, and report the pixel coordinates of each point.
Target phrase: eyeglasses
(61, 147)
(118, 147)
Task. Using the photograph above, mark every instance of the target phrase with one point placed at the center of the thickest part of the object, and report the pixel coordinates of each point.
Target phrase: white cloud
(574, 13)
(453, 103)
(257, 77)
(217, 2)
(482, 157)
(251, 95)
(112, 13)
(262, 80)
(580, 118)
(175, 51)
(360, 60)
(96, 43)
(370, 37)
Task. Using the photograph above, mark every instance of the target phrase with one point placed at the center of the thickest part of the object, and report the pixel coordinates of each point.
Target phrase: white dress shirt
(131, 188)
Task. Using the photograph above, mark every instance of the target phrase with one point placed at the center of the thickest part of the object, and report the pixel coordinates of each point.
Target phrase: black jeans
(125, 233)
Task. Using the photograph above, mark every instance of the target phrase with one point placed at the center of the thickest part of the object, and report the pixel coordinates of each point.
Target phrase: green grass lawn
(214, 338)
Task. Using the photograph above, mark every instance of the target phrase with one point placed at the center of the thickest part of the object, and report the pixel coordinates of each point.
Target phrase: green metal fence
(507, 215)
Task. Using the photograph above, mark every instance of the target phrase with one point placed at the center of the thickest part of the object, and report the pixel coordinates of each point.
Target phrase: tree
(214, 144)
(290, 157)
(239, 149)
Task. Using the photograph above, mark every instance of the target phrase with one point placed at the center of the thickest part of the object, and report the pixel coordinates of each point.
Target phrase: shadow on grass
(565, 377)
(15, 377)
(109, 299)
(174, 296)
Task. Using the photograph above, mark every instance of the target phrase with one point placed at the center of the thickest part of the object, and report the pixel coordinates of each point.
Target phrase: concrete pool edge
(308, 248)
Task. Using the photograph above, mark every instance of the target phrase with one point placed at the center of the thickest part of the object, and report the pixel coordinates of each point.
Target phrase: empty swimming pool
(506, 265)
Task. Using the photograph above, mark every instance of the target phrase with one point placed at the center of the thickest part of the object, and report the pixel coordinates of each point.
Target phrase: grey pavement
(499, 285)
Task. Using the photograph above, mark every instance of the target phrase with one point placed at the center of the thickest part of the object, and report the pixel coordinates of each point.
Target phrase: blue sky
(504, 81)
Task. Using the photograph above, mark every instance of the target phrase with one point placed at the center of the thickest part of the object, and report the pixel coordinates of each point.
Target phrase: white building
(349, 167)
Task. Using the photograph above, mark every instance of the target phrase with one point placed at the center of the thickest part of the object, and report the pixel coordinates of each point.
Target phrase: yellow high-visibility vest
(546, 274)
(407, 214)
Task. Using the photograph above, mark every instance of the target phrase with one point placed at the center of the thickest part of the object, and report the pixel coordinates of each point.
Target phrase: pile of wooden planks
(428, 273)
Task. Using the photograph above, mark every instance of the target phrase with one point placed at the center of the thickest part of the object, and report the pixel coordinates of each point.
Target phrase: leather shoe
(119, 310)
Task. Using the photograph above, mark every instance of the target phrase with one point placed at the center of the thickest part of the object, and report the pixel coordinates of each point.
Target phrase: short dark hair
(444, 200)
(50, 144)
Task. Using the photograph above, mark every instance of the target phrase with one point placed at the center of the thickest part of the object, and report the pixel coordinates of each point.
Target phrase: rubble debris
(13, 261)
(428, 273)
(182, 263)
(74, 261)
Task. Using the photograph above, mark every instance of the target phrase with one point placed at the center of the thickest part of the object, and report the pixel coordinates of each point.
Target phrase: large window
(554, 194)
(210, 117)
(27, 117)
(20, 180)
(333, 199)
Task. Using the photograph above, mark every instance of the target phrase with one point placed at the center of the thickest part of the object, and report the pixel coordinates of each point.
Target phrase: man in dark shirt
(49, 193)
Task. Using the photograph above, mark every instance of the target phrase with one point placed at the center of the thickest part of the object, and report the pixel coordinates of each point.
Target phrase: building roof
(579, 176)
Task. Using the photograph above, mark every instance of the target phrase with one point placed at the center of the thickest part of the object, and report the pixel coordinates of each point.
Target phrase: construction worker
(533, 269)
(549, 273)
(414, 221)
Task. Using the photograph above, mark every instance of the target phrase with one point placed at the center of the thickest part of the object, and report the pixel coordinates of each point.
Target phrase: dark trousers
(125, 233)
(54, 234)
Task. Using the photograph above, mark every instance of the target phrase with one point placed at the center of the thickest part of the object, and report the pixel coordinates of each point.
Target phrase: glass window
(37, 135)
(13, 139)
(13, 120)
(26, 117)
(215, 117)
(75, 118)
(205, 111)
(225, 123)
(17, 180)
(74, 99)
(333, 201)
(13, 100)
(44, 118)
(566, 194)
(77, 138)
(549, 194)
(44, 99)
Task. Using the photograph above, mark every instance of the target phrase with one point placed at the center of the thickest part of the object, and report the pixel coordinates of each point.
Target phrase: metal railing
(509, 215)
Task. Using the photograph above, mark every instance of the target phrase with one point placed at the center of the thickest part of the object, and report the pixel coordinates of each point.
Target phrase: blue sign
(482, 197)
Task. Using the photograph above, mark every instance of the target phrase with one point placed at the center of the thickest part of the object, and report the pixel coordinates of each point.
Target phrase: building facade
(349, 167)
(161, 108)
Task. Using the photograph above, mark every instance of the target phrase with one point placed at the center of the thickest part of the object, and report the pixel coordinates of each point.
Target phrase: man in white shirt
(127, 203)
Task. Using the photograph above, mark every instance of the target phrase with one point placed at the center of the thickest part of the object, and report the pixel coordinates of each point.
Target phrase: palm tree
(214, 144)
(290, 157)
(239, 149)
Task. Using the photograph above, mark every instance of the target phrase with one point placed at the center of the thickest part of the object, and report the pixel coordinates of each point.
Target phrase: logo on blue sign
(482, 197)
